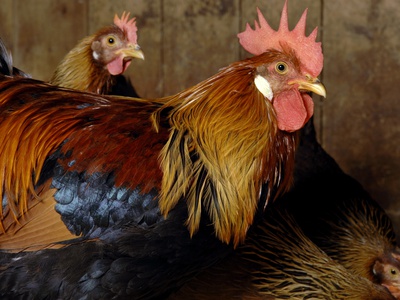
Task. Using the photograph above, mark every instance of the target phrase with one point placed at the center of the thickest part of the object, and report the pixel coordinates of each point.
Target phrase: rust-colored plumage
(34, 128)
(94, 64)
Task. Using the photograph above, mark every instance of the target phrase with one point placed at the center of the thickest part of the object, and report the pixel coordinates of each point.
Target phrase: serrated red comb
(129, 26)
(263, 37)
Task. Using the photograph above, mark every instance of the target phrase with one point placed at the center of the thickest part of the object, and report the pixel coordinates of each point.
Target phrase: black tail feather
(6, 64)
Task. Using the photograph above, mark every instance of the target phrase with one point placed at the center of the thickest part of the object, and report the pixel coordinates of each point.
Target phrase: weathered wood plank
(45, 31)
(199, 39)
(6, 29)
(361, 115)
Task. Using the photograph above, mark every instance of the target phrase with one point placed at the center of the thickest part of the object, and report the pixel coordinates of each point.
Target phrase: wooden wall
(186, 41)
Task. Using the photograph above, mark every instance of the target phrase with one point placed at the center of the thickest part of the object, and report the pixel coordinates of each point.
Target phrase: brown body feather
(34, 127)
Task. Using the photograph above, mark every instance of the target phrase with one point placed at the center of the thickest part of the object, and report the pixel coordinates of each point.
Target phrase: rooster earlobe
(263, 87)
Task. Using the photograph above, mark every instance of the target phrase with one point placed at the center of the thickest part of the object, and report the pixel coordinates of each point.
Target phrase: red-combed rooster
(137, 189)
(96, 64)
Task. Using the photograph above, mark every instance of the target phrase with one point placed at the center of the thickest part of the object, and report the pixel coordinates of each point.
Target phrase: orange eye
(281, 67)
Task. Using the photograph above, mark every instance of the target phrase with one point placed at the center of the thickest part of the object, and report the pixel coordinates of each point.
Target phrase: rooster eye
(111, 40)
(281, 68)
(393, 271)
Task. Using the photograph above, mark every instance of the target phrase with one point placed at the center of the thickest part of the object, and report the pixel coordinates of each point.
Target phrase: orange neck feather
(231, 130)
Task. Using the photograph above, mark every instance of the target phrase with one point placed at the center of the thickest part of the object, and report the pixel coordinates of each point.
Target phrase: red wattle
(293, 110)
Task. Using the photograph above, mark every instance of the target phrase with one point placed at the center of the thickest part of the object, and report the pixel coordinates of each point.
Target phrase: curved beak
(131, 52)
(311, 85)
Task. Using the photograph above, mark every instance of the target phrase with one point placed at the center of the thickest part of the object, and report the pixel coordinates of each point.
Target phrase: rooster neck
(80, 70)
(224, 150)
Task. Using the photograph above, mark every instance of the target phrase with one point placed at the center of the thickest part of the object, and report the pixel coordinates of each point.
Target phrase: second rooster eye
(281, 67)
(111, 40)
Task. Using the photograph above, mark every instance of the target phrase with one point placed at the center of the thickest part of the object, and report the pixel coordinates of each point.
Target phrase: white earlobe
(264, 87)
(96, 56)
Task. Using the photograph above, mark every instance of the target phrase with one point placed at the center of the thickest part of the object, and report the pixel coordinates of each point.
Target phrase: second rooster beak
(312, 85)
(133, 51)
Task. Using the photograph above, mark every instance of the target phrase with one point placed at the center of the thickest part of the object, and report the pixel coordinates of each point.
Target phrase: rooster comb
(263, 37)
(126, 25)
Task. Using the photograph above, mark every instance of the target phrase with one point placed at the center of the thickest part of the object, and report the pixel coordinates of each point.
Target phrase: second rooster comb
(129, 26)
(263, 37)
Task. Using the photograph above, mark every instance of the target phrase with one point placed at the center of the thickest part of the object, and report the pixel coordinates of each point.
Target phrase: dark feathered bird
(96, 64)
(339, 215)
(277, 261)
(6, 63)
(156, 188)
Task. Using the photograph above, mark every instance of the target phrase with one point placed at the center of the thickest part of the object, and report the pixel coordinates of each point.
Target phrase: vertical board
(146, 76)
(7, 18)
(45, 30)
(361, 115)
(199, 39)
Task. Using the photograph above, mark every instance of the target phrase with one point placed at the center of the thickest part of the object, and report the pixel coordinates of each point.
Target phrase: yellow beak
(312, 85)
(131, 52)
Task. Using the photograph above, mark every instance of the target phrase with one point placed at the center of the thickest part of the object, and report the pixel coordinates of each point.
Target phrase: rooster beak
(311, 85)
(131, 52)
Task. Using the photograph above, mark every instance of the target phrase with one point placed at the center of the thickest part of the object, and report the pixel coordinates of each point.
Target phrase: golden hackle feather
(228, 124)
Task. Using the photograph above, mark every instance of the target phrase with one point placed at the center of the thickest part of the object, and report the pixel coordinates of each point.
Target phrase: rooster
(159, 188)
(278, 261)
(339, 215)
(96, 64)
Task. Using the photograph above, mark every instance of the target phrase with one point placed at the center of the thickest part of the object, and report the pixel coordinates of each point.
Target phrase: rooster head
(115, 46)
(287, 82)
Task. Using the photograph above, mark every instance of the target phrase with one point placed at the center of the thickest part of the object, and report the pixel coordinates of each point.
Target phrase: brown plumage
(339, 215)
(95, 64)
(277, 261)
